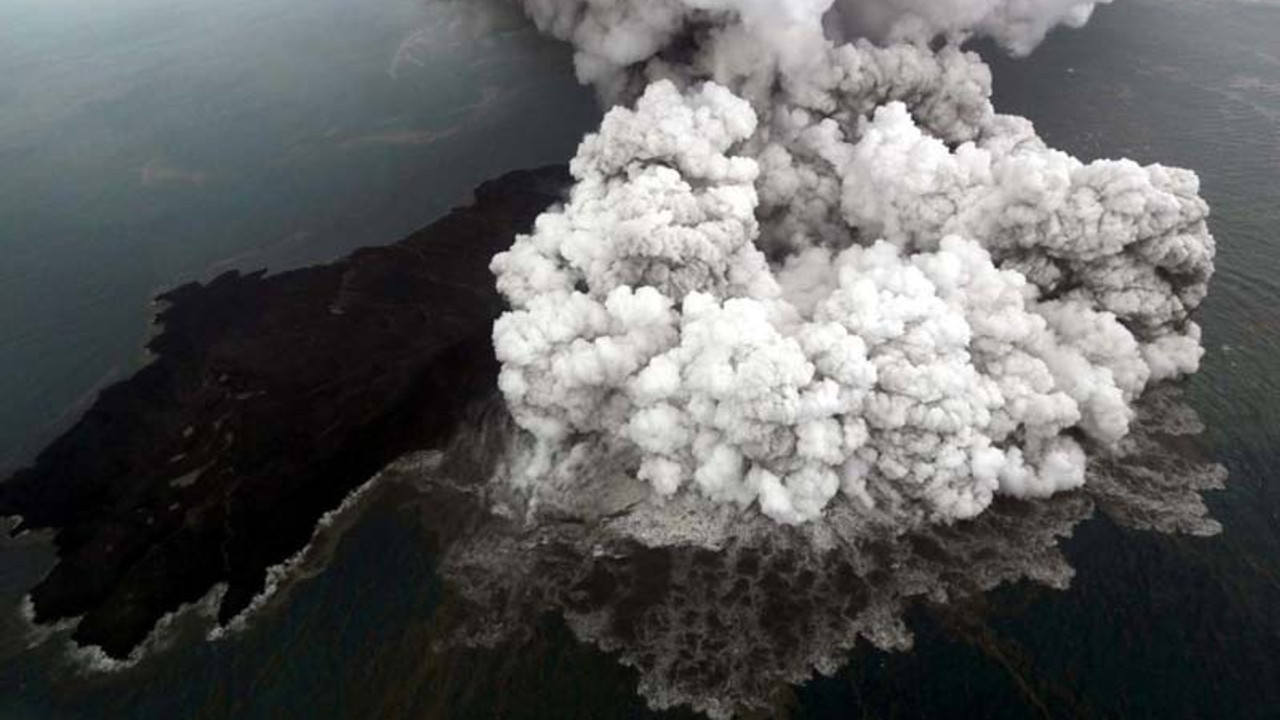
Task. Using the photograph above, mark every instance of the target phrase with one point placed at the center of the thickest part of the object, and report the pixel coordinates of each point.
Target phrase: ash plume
(806, 267)
(725, 628)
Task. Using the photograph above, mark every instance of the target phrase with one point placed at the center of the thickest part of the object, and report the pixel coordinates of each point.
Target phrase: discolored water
(1152, 625)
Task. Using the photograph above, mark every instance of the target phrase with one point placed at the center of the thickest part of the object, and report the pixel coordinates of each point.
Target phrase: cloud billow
(805, 263)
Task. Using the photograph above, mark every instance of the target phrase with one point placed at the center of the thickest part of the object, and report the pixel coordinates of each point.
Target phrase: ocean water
(1151, 626)
(146, 143)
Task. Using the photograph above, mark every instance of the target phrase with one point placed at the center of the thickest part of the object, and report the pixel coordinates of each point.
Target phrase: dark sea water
(1152, 625)
(146, 143)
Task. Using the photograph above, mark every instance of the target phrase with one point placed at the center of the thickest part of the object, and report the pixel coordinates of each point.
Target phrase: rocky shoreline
(270, 398)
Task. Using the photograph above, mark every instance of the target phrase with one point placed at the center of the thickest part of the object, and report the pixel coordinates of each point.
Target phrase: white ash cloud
(800, 271)
(610, 36)
(1018, 25)
(724, 619)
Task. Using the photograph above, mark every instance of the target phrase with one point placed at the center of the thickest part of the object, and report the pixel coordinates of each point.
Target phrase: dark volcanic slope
(269, 400)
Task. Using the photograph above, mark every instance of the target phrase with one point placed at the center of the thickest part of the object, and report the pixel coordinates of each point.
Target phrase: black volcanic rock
(270, 398)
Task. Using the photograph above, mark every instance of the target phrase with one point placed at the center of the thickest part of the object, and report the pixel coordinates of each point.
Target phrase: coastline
(271, 398)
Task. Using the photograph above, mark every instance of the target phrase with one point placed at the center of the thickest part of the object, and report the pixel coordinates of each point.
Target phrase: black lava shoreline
(269, 400)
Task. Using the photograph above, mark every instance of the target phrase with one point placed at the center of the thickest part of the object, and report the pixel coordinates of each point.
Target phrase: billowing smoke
(805, 262)
(1018, 25)
(745, 36)
(724, 630)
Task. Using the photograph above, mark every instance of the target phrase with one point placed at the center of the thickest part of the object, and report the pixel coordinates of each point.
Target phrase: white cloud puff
(798, 271)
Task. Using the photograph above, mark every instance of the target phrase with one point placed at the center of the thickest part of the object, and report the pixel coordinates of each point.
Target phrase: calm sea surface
(166, 141)
(145, 143)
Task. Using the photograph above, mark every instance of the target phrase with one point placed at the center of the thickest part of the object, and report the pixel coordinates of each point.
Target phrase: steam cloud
(806, 263)
(723, 630)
